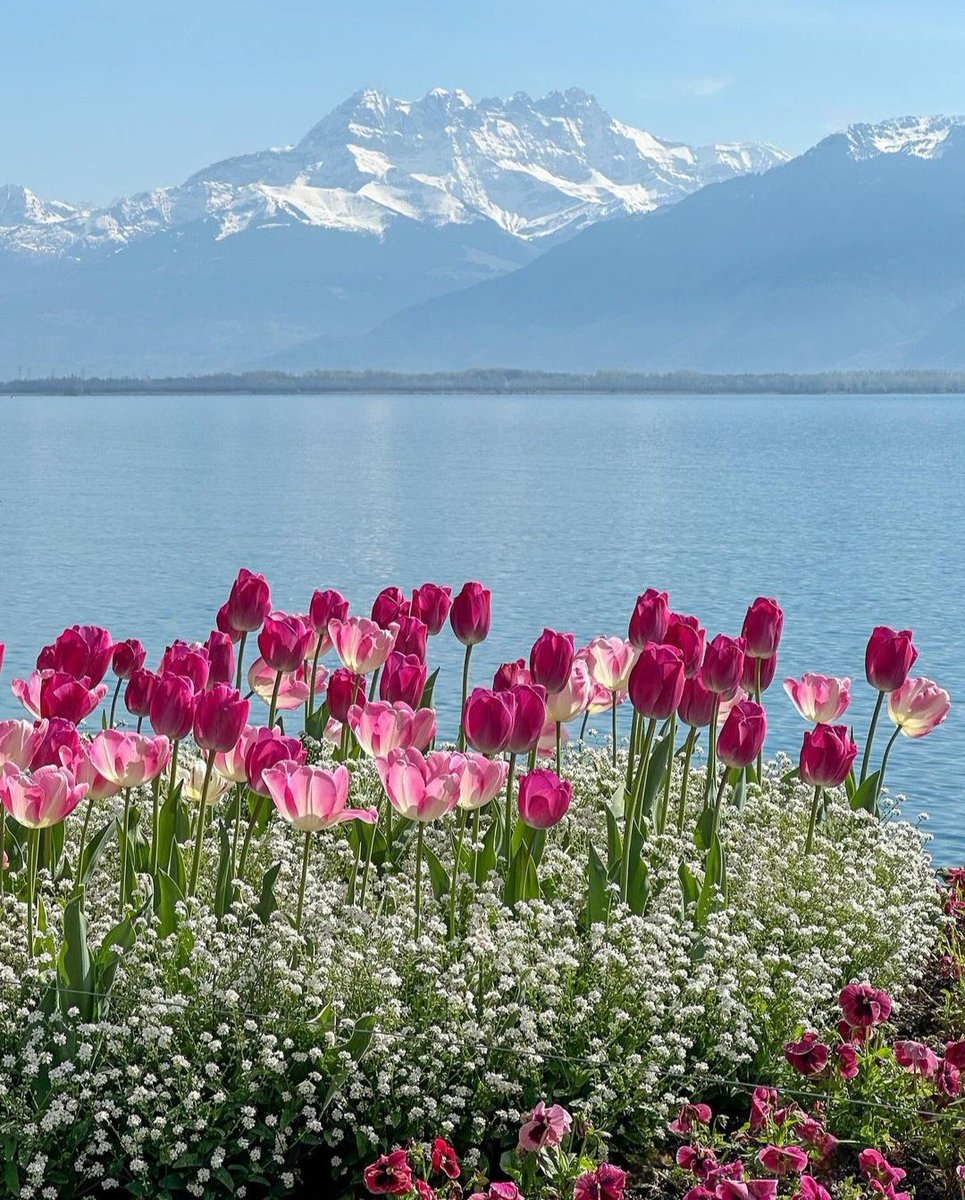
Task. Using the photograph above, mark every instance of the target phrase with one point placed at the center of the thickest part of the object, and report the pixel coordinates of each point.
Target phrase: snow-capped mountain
(918, 137)
(534, 168)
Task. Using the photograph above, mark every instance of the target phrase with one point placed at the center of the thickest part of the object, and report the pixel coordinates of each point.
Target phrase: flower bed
(248, 958)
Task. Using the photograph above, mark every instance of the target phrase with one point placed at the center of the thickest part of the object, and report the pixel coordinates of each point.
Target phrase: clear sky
(105, 97)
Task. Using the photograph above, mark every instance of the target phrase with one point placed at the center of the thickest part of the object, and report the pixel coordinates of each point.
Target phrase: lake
(135, 513)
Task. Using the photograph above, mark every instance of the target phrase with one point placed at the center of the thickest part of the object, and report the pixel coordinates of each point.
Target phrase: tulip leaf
(738, 796)
(75, 970)
(117, 942)
(166, 897)
(689, 886)
(426, 701)
(598, 895)
(522, 882)
(614, 842)
(638, 883)
(851, 783)
(715, 881)
(315, 724)
(866, 796)
(224, 888)
(656, 774)
(438, 874)
(167, 826)
(704, 829)
(267, 904)
(93, 850)
(487, 855)
(617, 802)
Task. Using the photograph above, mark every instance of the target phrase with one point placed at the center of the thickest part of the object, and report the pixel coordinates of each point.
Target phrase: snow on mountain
(919, 137)
(535, 168)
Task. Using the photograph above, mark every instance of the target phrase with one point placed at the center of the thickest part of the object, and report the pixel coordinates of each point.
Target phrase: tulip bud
(249, 601)
(345, 688)
(137, 694)
(431, 604)
(267, 749)
(403, 680)
(172, 706)
(742, 736)
(411, 638)
(686, 634)
(649, 619)
(285, 641)
(826, 756)
(551, 658)
(223, 622)
(529, 717)
(762, 627)
(187, 659)
(543, 798)
(389, 607)
(221, 657)
(723, 667)
(471, 614)
(889, 657)
(488, 720)
(219, 717)
(127, 657)
(696, 703)
(509, 674)
(327, 606)
(657, 681)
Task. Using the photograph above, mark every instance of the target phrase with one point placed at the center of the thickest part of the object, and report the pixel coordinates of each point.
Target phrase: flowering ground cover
(522, 958)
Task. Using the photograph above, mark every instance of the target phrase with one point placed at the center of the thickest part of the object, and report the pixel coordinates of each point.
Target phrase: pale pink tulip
(820, 699)
(311, 798)
(129, 759)
(84, 771)
(41, 798)
(294, 688)
(918, 706)
(19, 741)
(333, 731)
(481, 779)
(361, 645)
(231, 764)
(610, 661)
(381, 727)
(575, 696)
(420, 787)
(726, 703)
(50, 693)
(191, 776)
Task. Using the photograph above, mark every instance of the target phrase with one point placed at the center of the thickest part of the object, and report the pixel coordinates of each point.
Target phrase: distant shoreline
(497, 382)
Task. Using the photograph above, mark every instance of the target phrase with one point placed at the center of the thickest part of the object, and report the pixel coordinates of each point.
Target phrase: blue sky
(105, 97)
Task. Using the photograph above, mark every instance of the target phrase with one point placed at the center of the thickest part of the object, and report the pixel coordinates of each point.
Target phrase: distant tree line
(497, 381)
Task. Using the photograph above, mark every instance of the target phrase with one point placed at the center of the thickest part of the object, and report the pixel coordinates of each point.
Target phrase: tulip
(128, 759)
(573, 698)
(544, 798)
(763, 624)
(192, 776)
(649, 619)
(325, 606)
(481, 779)
(686, 634)
(344, 689)
(285, 641)
(380, 727)
(2, 652)
(529, 717)
(411, 637)
(827, 754)
(488, 720)
(172, 706)
(509, 674)
(230, 764)
(389, 607)
(265, 750)
(889, 657)
(656, 682)
(552, 739)
(220, 715)
(189, 659)
(723, 667)
(19, 741)
(918, 706)
(49, 693)
(221, 657)
(431, 604)
(137, 694)
(550, 660)
(820, 699)
(698, 708)
(56, 744)
(83, 652)
(293, 688)
(403, 679)
(610, 661)
(223, 623)
(249, 601)
(470, 617)
(98, 788)
(361, 645)
(742, 735)
(127, 657)
(311, 799)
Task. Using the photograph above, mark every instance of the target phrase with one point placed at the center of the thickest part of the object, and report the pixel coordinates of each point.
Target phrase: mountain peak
(916, 136)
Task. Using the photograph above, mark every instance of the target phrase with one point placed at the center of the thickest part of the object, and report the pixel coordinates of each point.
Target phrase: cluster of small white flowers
(223, 1051)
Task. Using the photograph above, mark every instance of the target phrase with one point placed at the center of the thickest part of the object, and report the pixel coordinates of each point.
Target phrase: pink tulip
(361, 645)
(411, 637)
(820, 699)
(223, 622)
(657, 680)
(47, 693)
(509, 674)
(311, 798)
(3, 649)
(650, 618)
(265, 750)
(127, 657)
(742, 736)
(19, 741)
(403, 679)
(172, 706)
(381, 727)
(326, 606)
(230, 764)
(84, 771)
(529, 717)
(189, 659)
(83, 652)
(481, 779)
(918, 706)
(345, 688)
(293, 690)
(544, 798)
(762, 628)
(128, 759)
(550, 660)
(220, 714)
(726, 703)
(431, 604)
(545, 1126)
(574, 697)
(723, 666)
(686, 634)
(826, 756)
(40, 798)
(471, 614)
(697, 702)
(285, 641)
(422, 787)
(221, 657)
(610, 661)
(889, 657)
(389, 607)
(488, 719)
(249, 601)
(58, 743)
(137, 694)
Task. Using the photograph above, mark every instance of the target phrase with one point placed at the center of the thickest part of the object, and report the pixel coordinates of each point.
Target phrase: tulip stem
(614, 695)
(631, 807)
(114, 704)
(374, 684)
(32, 844)
(665, 805)
(634, 735)
(311, 685)
(757, 697)
(866, 757)
(884, 764)
(688, 755)
(508, 832)
(199, 832)
(3, 843)
(301, 888)
(465, 692)
(719, 803)
(83, 843)
(559, 747)
(236, 831)
(373, 829)
(809, 847)
(274, 699)
(420, 837)
(711, 749)
(241, 656)
(475, 846)
(586, 717)
(463, 816)
(155, 821)
(174, 766)
(124, 846)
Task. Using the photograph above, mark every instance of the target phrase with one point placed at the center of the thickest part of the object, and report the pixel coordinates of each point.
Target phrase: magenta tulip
(403, 679)
(82, 651)
(820, 699)
(918, 706)
(266, 750)
(326, 606)
(221, 657)
(723, 667)
(412, 637)
(657, 681)
(481, 779)
(697, 702)
(361, 645)
(41, 798)
(249, 601)
(544, 798)
(529, 717)
(128, 759)
(189, 659)
(574, 697)
(57, 742)
(381, 727)
(649, 619)
(488, 719)
(763, 624)
(471, 614)
(172, 706)
(431, 604)
(345, 688)
(49, 693)
(389, 607)
(550, 660)
(686, 634)
(610, 661)
(285, 641)
(826, 756)
(223, 622)
(510, 674)
(312, 798)
(127, 657)
(889, 657)
(137, 694)
(421, 787)
(220, 715)
(742, 735)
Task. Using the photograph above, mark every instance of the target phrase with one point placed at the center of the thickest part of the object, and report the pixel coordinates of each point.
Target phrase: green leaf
(866, 796)
(167, 827)
(93, 851)
(689, 886)
(656, 774)
(167, 894)
(224, 888)
(75, 970)
(704, 829)
(487, 855)
(522, 882)
(11, 1177)
(426, 701)
(715, 880)
(267, 903)
(598, 895)
(617, 802)
(614, 842)
(438, 874)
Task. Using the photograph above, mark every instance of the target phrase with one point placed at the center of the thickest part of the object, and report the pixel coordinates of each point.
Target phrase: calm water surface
(135, 513)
